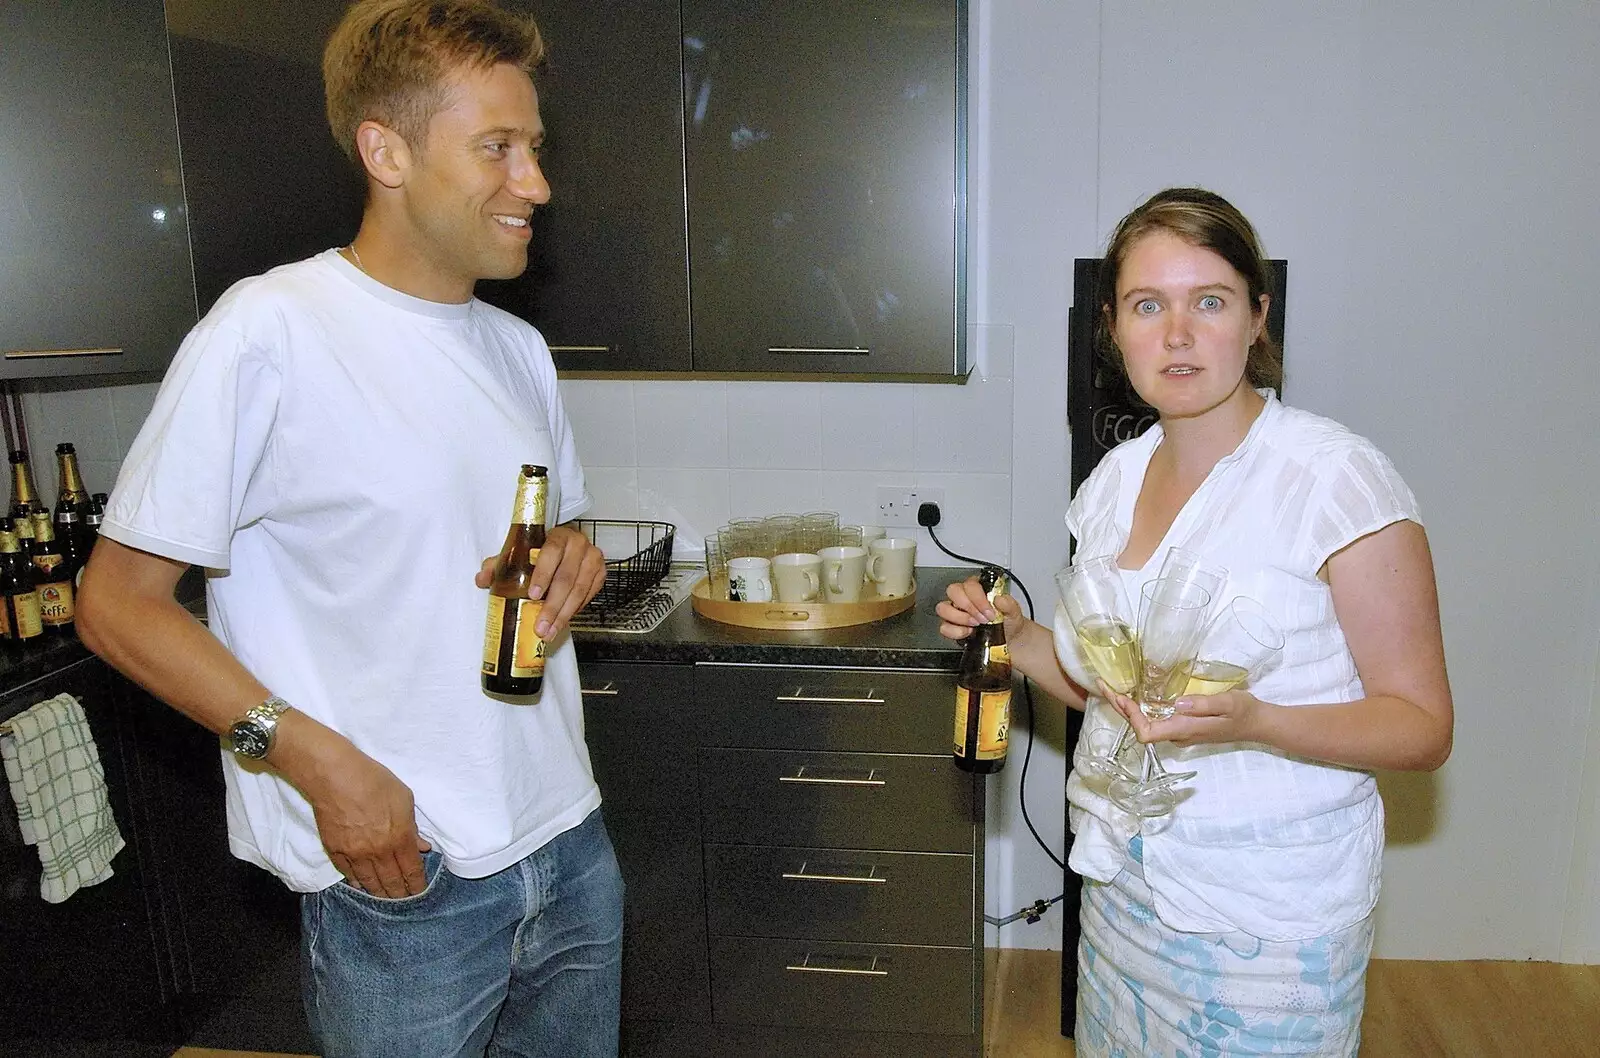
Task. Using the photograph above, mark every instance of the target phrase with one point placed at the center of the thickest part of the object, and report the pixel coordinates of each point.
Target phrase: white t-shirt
(1274, 845)
(342, 457)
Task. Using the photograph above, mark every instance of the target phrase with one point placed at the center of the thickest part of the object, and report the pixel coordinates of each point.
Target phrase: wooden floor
(1414, 1010)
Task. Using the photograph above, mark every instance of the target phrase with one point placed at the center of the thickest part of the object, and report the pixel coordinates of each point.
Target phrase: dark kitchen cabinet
(94, 243)
(87, 976)
(642, 725)
(804, 865)
(266, 183)
(824, 172)
(608, 268)
(232, 929)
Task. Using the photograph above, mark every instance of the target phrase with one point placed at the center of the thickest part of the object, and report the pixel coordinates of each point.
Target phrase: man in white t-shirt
(337, 443)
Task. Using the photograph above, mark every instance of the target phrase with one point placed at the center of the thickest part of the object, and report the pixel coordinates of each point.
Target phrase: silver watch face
(250, 739)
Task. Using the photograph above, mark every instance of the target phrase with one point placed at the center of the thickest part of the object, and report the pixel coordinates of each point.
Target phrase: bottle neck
(21, 485)
(71, 481)
(532, 499)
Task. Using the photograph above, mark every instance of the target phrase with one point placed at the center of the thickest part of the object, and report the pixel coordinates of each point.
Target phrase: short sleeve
(1094, 505)
(1358, 492)
(195, 473)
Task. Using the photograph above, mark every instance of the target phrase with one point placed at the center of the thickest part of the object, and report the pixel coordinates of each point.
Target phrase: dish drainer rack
(648, 546)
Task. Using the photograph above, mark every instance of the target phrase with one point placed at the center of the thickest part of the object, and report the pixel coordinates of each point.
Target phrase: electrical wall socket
(897, 504)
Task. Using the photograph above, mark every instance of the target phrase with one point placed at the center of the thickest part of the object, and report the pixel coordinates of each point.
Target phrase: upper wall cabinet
(266, 183)
(94, 251)
(825, 150)
(608, 272)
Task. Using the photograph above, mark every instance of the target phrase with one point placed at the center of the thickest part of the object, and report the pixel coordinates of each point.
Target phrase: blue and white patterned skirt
(1146, 990)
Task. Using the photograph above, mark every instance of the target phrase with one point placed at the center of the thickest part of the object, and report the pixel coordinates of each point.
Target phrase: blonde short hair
(389, 60)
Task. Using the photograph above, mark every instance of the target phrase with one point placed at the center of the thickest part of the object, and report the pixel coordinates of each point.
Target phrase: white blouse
(1262, 842)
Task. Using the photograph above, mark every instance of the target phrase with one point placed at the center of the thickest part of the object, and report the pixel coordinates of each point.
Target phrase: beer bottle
(72, 496)
(55, 575)
(97, 514)
(983, 689)
(19, 586)
(24, 501)
(513, 653)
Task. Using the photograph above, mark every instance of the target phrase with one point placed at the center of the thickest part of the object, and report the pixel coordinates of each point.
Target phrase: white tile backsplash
(775, 424)
(757, 493)
(603, 423)
(694, 500)
(697, 453)
(964, 428)
(868, 426)
(681, 424)
(615, 491)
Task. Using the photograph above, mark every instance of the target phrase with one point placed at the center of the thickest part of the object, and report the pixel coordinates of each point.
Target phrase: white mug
(889, 565)
(869, 533)
(843, 569)
(797, 577)
(750, 580)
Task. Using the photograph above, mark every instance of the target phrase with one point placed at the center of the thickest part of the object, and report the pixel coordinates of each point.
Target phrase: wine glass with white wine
(1097, 613)
(1172, 618)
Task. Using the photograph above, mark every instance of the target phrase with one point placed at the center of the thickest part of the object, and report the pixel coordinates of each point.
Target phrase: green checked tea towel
(60, 790)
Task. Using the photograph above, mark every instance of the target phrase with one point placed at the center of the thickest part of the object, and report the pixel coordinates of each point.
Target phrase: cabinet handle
(580, 348)
(36, 354)
(800, 776)
(869, 970)
(607, 689)
(820, 350)
(802, 875)
(866, 697)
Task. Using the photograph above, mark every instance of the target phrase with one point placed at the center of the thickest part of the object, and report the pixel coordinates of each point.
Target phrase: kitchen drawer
(823, 985)
(838, 800)
(870, 710)
(840, 894)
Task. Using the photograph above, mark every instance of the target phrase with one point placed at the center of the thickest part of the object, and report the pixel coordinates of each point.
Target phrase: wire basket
(648, 546)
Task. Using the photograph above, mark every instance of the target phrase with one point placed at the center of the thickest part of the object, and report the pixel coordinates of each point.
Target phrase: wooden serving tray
(795, 614)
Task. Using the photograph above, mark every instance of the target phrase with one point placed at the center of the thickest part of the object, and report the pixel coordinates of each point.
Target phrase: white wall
(1425, 168)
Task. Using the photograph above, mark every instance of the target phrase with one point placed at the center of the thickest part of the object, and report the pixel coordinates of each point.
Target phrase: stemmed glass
(1178, 565)
(1172, 619)
(1097, 611)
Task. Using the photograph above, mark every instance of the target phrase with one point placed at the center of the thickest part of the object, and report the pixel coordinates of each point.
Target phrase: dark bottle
(983, 689)
(19, 586)
(72, 497)
(24, 500)
(513, 653)
(97, 513)
(56, 573)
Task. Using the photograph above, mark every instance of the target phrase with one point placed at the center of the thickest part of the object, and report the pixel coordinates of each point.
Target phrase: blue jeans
(526, 962)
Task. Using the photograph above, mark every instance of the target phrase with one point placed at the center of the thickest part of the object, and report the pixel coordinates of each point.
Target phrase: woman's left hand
(1232, 716)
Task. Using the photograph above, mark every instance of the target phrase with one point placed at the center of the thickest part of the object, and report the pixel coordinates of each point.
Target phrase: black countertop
(908, 640)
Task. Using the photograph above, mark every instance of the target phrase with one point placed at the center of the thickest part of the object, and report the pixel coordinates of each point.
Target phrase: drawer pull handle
(580, 348)
(870, 779)
(820, 350)
(845, 697)
(802, 875)
(38, 354)
(607, 689)
(869, 970)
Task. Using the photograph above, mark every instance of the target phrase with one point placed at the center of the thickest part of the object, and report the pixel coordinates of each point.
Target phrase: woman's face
(1184, 323)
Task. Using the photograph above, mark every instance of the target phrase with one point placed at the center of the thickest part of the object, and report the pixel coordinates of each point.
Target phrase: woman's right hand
(966, 606)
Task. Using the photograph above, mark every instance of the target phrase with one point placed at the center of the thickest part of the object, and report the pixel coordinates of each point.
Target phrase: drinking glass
(785, 532)
(1172, 618)
(716, 565)
(1238, 646)
(748, 538)
(1097, 611)
(819, 529)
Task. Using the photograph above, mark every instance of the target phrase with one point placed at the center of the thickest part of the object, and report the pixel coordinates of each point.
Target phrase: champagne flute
(1237, 646)
(1172, 618)
(1179, 566)
(1096, 608)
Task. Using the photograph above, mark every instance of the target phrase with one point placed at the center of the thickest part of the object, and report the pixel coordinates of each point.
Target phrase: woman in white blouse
(1242, 924)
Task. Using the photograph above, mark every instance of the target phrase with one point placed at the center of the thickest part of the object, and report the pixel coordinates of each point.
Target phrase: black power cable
(928, 517)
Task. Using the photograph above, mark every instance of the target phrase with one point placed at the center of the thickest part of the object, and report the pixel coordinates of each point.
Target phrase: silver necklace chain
(357, 257)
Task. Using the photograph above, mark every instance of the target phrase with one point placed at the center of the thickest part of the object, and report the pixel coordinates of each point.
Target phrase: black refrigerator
(1102, 412)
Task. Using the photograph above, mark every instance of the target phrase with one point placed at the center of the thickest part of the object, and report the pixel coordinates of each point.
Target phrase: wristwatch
(251, 736)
